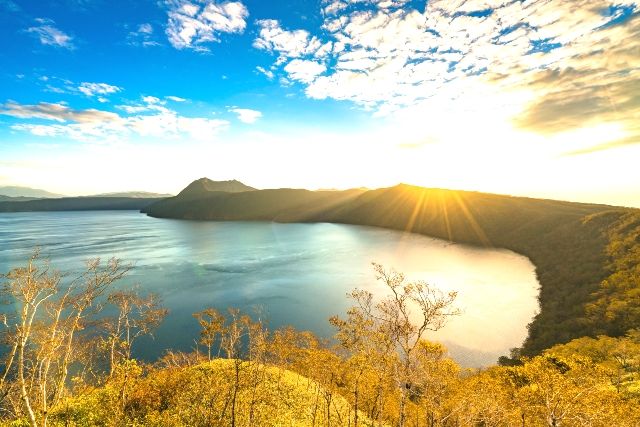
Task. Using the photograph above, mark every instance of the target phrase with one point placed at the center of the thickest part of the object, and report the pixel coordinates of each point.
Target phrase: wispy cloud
(150, 119)
(153, 100)
(93, 89)
(193, 25)
(143, 36)
(97, 91)
(266, 72)
(246, 115)
(55, 112)
(175, 98)
(49, 35)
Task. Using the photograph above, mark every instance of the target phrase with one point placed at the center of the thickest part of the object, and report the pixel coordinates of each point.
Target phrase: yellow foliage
(202, 395)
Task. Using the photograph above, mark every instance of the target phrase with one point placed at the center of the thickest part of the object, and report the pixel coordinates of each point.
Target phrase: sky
(537, 98)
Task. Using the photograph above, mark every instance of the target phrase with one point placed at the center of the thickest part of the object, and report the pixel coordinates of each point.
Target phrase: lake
(298, 274)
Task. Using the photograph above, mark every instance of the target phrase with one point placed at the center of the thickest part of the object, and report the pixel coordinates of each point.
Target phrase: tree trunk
(235, 394)
(355, 422)
(23, 386)
(402, 407)
(27, 321)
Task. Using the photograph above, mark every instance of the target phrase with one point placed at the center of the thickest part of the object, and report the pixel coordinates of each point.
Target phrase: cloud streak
(56, 112)
(150, 119)
(49, 35)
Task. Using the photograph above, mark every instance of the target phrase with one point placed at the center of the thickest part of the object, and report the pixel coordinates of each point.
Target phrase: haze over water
(297, 274)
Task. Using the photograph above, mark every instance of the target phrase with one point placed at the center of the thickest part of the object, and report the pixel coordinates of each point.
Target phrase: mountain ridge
(19, 191)
(203, 186)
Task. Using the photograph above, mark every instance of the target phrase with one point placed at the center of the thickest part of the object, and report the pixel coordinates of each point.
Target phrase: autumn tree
(615, 306)
(437, 377)
(396, 323)
(137, 315)
(370, 356)
(42, 331)
(620, 356)
(243, 341)
(211, 324)
(564, 391)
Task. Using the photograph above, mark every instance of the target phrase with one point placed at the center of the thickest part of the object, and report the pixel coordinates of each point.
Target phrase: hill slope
(283, 205)
(199, 395)
(566, 241)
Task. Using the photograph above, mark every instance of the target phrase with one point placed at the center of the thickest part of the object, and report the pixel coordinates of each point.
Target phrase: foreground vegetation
(68, 361)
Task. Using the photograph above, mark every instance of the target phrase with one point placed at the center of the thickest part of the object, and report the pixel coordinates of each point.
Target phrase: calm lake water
(298, 274)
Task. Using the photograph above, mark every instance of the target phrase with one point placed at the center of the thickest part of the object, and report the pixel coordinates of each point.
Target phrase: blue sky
(105, 47)
(519, 97)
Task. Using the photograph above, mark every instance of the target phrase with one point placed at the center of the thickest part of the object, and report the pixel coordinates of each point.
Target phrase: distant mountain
(136, 195)
(134, 200)
(204, 186)
(34, 193)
